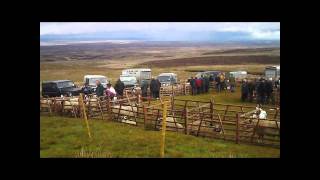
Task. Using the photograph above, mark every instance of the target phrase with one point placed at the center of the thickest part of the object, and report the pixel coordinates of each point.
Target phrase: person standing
(158, 88)
(232, 82)
(203, 84)
(144, 88)
(218, 83)
(99, 89)
(206, 84)
(250, 90)
(261, 91)
(244, 90)
(119, 87)
(198, 85)
(153, 87)
(110, 91)
(269, 91)
(193, 86)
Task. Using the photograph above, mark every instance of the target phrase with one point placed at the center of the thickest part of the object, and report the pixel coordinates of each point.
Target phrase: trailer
(140, 74)
(272, 72)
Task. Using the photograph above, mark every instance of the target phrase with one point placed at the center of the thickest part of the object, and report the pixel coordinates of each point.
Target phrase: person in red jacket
(198, 85)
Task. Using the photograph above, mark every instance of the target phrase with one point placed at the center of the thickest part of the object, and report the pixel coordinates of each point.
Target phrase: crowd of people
(110, 91)
(202, 84)
(154, 88)
(261, 89)
(199, 85)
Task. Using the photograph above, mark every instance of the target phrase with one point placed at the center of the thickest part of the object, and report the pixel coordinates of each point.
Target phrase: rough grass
(67, 137)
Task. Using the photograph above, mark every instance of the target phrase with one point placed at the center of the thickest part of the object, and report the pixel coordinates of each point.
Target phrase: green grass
(67, 137)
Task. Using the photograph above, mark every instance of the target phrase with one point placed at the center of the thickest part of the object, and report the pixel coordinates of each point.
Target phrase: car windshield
(65, 84)
(164, 78)
(128, 78)
(93, 80)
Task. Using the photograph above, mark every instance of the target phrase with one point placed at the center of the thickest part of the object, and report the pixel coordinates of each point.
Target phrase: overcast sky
(164, 31)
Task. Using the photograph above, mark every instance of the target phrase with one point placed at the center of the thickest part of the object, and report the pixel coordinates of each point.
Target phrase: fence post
(144, 116)
(186, 121)
(84, 114)
(237, 128)
(163, 131)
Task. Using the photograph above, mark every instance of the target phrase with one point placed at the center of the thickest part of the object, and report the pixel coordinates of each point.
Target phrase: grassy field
(67, 137)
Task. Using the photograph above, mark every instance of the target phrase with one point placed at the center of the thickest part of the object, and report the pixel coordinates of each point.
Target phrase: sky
(160, 31)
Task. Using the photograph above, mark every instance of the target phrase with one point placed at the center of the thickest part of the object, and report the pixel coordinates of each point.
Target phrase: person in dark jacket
(153, 87)
(232, 81)
(198, 85)
(206, 84)
(244, 90)
(268, 90)
(99, 89)
(119, 87)
(144, 89)
(158, 88)
(261, 91)
(251, 88)
(218, 83)
(193, 86)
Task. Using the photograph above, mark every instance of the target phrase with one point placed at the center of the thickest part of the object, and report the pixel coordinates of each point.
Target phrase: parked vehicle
(272, 72)
(167, 79)
(140, 74)
(128, 81)
(59, 87)
(90, 81)
(238, 75)
(208, 73)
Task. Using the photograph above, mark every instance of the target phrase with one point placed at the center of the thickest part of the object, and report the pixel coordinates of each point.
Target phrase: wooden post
(237, 128)
(186, 121)
(145, 116)
(158, 116)
(84, 114)
(100, 107)
(50, 111)
(254, 130)
(163, 131)
(201, 118)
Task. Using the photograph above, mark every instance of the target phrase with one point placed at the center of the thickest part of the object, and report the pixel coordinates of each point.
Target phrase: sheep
(45, 104)
(71, 103)
(171, 124)
(125, 112)
(265, 127)
(194, 127)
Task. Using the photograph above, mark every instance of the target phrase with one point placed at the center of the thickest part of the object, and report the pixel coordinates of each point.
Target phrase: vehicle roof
(94, 76)
(167, 74)
(127, 75)
(137, 69)
(56, 81)
(238, 72)
(273, 67)
(210, 72)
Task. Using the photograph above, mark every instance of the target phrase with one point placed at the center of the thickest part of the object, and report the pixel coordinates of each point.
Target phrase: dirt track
(215, 60)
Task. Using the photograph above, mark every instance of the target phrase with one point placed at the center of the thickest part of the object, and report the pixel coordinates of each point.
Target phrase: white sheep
(71, 103)
(171, 124)
(45, 103)
(205, 127)
(264, 127)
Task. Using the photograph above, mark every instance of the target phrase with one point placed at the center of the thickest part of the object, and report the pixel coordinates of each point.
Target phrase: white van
(91, 80)
(167, 79)
(140, 74)
(239, 75)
